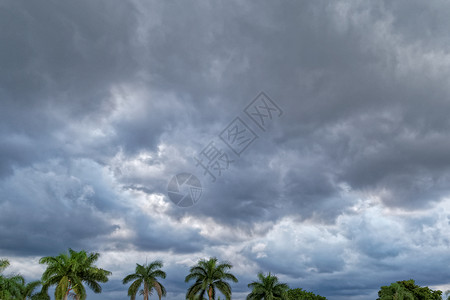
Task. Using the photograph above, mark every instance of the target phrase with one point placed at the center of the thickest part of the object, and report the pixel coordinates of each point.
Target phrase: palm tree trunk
(145, 291)
(210, 293)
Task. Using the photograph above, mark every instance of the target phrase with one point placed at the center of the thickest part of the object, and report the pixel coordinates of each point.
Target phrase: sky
(315, 136)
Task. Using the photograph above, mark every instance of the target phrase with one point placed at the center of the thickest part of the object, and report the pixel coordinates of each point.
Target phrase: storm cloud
(103, 102)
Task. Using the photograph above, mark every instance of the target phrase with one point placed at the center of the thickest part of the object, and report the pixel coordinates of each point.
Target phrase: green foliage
(26, 290)
(69, 272)
(300, 294)
(268, 288)
(10, 286)
(210, 275)
(4, 263)
(196, 297)
(407, 290)
(14, 287)
(146, 274)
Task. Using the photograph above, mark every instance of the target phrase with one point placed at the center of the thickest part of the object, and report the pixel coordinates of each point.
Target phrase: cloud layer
(103, 102)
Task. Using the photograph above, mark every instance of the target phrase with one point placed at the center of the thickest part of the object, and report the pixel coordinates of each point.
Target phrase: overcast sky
(344, 189)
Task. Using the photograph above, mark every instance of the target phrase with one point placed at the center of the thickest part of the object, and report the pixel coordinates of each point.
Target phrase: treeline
(407, 289)
(70, 273)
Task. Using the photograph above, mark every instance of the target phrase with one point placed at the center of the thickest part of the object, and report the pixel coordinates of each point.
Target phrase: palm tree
(69, 272)
(14, 287)
(10, 286)
(209, 275)
(4, 263)
(196, 297)
(146, 275)
(268, 288)
(28, 289)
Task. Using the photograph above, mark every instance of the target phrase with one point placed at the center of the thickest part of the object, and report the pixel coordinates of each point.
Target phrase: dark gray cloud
(101, 103)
